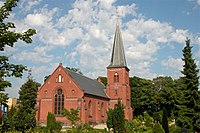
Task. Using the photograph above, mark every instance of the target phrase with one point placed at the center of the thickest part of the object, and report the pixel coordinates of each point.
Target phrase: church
(67, 89)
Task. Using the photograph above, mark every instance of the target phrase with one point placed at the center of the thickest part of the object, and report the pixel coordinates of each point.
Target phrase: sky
(80, 34)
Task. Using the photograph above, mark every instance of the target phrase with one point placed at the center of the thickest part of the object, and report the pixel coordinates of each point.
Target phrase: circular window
(59, 92)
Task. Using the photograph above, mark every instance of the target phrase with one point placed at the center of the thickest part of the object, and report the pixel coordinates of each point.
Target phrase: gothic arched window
(116, 77)
(60, 78)
(58, 102)
(102, 110)
(90, 109)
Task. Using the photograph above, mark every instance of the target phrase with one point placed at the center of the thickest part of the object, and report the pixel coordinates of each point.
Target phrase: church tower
(118, 76)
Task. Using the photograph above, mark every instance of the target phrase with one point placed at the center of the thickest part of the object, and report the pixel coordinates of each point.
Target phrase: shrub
(52, 124)
(158, 128)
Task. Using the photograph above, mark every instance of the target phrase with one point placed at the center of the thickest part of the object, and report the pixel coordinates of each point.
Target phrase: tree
(165, 121)
(103, 80)
(52, 124)
(143, 96)
(9, 37)
(71, 115)
(46, 77)
(158, 128)
(109, 121)
(25, 115)
(76, 70)
(166, 98)
(10, 116)
(189, 104)
(116, 118)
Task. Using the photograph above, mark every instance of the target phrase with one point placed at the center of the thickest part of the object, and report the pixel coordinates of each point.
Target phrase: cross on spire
(118, 15)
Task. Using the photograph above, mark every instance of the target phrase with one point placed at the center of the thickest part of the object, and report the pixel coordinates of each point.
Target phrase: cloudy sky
(80, 34)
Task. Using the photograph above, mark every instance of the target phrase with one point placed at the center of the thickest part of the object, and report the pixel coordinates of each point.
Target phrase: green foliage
(188, 102)
(46, 77)
(129, 126)
(176, 130)
(24, 118)
(115, 118)
(166, 94)
(71, 115)
(28, 94)
(143, 97)
(86, 128)
(141, 124)
(10, 116)
(76, 70)
(109, 121)
(148, 120)
(52, 124)
(157, 116)
(23, 121)
(39, 129)
(158, 128)
(9, 37)
(165, 121)
(103, 80)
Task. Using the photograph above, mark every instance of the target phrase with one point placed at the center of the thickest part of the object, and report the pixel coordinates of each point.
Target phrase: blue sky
(80, 34)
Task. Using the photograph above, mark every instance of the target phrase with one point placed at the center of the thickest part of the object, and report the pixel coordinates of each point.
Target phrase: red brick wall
(74, 97)
(96, 113)
(120, 89)
(47, 92)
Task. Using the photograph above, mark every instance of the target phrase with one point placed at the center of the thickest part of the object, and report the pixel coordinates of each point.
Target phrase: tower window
(116, 77)
(58, 102)
(115, 92)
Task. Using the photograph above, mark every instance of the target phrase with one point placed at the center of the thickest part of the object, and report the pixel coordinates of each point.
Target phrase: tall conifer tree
(24, 118)
(189, 106)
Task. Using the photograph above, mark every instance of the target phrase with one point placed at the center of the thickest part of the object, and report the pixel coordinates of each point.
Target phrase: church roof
(118, 56)
(89, 86)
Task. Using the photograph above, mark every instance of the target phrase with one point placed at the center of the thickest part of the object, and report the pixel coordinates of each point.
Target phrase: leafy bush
(129, 126)
(71, 115)
(52, 124)
(158, 128)
(116, 119)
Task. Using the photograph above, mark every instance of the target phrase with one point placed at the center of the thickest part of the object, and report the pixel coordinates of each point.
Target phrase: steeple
(118, 56)
(118, 86)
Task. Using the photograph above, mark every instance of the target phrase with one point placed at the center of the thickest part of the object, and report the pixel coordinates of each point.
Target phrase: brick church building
(67, 89)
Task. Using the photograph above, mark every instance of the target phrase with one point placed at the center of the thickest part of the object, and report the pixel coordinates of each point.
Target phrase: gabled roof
(118, 56)
(89, 86)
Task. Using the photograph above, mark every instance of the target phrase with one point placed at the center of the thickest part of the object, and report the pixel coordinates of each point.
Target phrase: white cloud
(27, 5)
(174, 63)
(91, 25)
(198, 54)
(35, 57)
(40, 71)
(1, 3)
(37, 19)
(180, 35)
(198, 2)
(127, 10)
